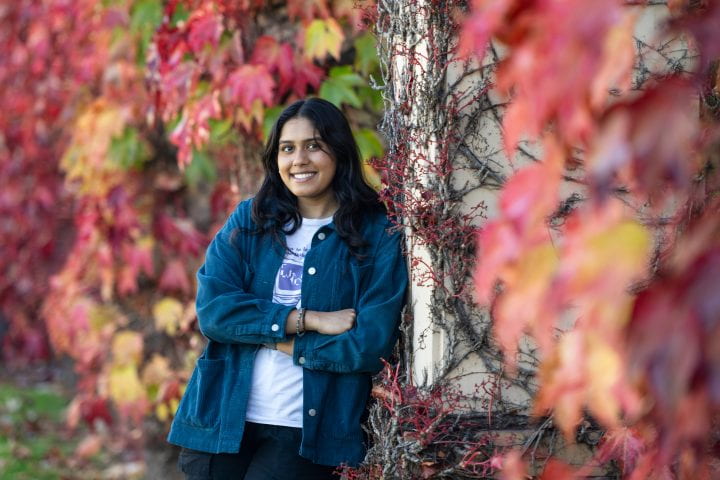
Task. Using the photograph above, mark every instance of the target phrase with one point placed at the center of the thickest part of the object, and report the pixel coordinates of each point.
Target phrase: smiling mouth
(303, 176)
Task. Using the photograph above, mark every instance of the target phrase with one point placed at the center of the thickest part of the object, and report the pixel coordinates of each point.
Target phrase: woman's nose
(300, 157)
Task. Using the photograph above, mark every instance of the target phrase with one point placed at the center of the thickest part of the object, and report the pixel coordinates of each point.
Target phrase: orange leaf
(89, 446)
(513, 468)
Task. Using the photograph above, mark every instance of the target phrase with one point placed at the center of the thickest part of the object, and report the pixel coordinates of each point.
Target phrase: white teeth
(302, 176)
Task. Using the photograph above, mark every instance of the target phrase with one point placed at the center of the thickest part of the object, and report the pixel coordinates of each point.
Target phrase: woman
(300, 296)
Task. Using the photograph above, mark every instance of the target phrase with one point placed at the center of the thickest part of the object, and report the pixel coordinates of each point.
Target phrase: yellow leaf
(534, 268)
(522, 305)
(127, 348)
(162, 412)
(603, 372)
(323, 38)
(86, 160)
(562, 379)
(614, 256)
(103, 315)
(168, 314)
(124, 384)
(255, 116)
(372, 176)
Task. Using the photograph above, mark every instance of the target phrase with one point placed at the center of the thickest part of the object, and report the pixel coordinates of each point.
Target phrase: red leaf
(556, 470)
(355, 11)
(204, 28)
(90, 409)
(308, 9)
(623, 445)
(170, 46)
(248, 83)
(194, 127)
(127, 281)
(277, 57)
(649, 140)
(486, 19)
(307, 74)
(175, 277)
(595, 39)
(179, 236)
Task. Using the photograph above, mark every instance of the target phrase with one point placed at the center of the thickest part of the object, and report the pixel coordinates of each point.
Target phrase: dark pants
(267, 452)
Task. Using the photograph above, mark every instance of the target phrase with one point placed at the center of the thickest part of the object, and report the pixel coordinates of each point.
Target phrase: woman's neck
(322, 208)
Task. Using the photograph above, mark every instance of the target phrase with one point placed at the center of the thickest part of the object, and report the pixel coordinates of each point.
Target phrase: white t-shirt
(276, 395)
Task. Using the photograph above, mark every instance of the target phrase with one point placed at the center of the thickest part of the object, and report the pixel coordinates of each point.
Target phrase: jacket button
(312, 270)
(312, 412)
(301, 360)
(275, 327)
(321, 236)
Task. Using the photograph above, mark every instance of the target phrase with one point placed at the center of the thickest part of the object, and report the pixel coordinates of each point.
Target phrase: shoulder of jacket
(380, 226)
(243, 212)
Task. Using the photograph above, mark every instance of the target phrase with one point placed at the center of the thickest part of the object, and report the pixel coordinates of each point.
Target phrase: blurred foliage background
(130, 129)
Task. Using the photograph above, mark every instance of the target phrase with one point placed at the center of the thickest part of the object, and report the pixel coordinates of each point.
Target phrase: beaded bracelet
(300, 322)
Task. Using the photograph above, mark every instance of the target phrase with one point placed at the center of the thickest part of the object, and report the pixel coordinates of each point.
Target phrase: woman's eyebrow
(312, 139)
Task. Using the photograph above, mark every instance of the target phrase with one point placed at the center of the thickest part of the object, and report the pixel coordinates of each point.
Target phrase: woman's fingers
(334, 323)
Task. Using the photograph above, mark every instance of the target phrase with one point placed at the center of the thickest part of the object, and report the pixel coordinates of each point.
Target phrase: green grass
(32, 444)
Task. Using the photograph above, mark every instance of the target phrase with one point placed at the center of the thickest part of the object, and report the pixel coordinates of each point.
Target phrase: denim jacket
(236, 313)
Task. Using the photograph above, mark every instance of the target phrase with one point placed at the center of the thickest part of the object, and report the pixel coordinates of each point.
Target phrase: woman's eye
(313, 146)
(286, 149)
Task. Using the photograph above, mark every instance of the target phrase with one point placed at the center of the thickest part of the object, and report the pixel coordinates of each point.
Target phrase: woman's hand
(286, 347)
(330, 323)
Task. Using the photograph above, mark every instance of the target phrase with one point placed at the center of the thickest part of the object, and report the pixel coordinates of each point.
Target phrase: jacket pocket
(205, 394)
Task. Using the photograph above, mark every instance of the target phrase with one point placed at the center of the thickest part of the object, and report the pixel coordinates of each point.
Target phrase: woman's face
(305, 167)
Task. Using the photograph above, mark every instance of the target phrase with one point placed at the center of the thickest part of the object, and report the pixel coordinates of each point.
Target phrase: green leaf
(373, 98)
(340, 86)
(145, 14)
(220, 130)
(271, 116)
(366, 57)
(128, 150)
(145, 17)
(369, 144)
(201, 169)
(181, 14)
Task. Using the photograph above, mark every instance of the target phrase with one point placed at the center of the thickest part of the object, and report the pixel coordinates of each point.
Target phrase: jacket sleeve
(227, 312)
(360, 349)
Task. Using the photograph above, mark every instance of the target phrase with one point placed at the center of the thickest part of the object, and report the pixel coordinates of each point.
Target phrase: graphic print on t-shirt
(289, 278)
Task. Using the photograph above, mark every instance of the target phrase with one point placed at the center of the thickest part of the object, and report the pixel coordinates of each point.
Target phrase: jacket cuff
(302, 351)
(273, 327)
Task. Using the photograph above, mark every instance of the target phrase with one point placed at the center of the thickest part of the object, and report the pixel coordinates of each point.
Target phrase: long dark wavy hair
(275, 207)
